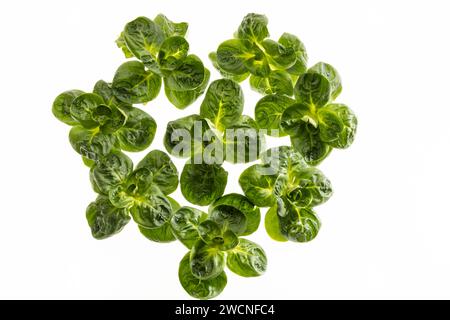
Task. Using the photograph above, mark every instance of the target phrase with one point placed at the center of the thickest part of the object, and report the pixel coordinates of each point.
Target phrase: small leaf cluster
(140, 193)
(214, 241)
(161, 47)
(298, 101)
(286, 184)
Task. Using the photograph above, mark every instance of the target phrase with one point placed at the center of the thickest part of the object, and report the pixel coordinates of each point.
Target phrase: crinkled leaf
(188, 75)
(297, 116)
(253, 27)
(257, 63)
(272, 225)
(307, 141)
(138, 132)
(203, 183)
(248, 259)
(165, 174)
(284, 159)
(223, 103)
(231, 57)
(91, 144)
(132, 83)
(200, 289)
(104, 90)
(170, 28)
(206, 261)
(313, 89)
(291, 41)
(280, 56)
(61, 106)
(83, 109)
(182, 99)
(337, 125)
(185, 222)
(257, 182)
(244, 205)
(172, 52)
(104, 219)
(332, 76)
(153, 210)
(304, 187)
(143, 38)
(277, 82)
(111, 170)
(178, 138)
(229, 218)
(268, 112)
(297, 224)
(238, 78)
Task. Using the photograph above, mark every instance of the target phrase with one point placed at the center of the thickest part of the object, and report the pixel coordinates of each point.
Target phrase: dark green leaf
(223, 103)
(182, 99)
(244, 205)
(307, 141)
(178, 138)
(253, 27)
(83, 109)
(104, 219)
(290, 41)
(91, 144)
(61, 106)
(206, 261)
(188, 75)
(337, 125)
(304, 187)
(268, 112)
(332, 76)
(284, 159)
(257, 182)
(232, 55)
(170, 28)
(297, 116)
(172, 52)
(200, 289)
(297, 224)
(203, 183)
(153, 210)
(280, 56)
(247, 260)
(111, 171)
(238, 78)
(212, 234)
(104, 90)
(313, 89)
(165, 174)
(133, 84)
(185, 222)
(272, 225)
(277, 82)
(229, 218)
(138, 132)
(143, 38)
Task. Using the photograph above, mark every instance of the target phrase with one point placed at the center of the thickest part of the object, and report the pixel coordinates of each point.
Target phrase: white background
(386, 230)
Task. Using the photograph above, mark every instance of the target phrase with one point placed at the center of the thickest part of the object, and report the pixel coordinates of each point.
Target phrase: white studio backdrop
(385, 230)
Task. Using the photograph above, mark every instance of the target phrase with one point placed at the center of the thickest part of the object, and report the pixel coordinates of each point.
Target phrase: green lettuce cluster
(298, 101)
